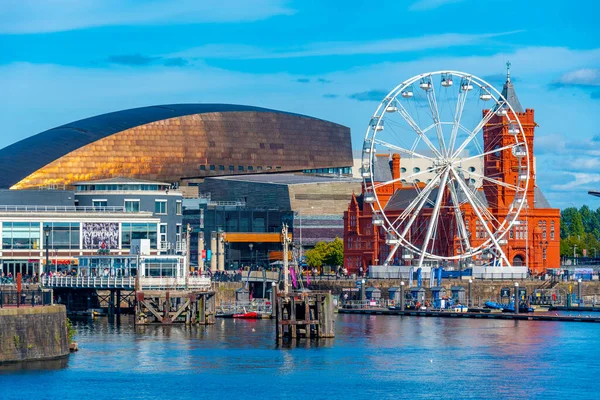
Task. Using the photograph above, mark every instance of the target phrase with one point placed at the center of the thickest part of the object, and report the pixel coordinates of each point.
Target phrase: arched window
(517, 261)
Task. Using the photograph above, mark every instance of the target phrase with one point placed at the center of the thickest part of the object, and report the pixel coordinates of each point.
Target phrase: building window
(132, 205)
(63, 235)
(21, 235)
(212, 167)
(416, 169)
(471, 169)
(163, 236)
(250, 168)
(221, 168)
(512, 233)
(402, 170)
(178, 207)
(178, 233)
(240, 168)
(259, 168)
(99, 204)
(131, 231)
(551, 230)
(160, 207)
(203, 168)
(544, 253)
(231, 168)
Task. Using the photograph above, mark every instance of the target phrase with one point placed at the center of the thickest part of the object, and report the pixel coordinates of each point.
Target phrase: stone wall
(483, 290)
(33, 333)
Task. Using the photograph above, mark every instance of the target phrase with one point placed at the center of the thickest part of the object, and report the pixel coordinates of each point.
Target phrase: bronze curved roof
(20, 160)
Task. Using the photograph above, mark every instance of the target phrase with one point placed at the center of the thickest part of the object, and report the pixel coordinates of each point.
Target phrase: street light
(251, 245)
(574, 254)
(469, 302)
(47, 230)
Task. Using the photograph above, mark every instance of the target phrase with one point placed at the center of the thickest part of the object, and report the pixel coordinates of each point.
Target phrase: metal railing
(112, 282)
(112, 209)
(24, 298)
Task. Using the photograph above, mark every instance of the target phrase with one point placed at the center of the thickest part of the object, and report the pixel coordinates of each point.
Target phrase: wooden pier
(167, 307)
(304, 315)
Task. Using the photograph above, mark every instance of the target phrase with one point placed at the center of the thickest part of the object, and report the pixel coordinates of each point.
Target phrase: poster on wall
(100, 235)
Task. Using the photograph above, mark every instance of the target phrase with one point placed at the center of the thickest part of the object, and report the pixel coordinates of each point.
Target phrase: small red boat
(248, 315)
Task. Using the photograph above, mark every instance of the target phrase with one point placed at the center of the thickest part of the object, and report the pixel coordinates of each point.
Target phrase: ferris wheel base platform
(478, 272)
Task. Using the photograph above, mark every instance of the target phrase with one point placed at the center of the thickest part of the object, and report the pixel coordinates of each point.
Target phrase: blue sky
(63, 60)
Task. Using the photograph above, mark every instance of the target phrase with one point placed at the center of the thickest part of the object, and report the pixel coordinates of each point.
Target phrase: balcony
(64, 209)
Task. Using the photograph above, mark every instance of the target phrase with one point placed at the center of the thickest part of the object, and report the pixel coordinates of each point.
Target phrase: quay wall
(33, 333)
(482, 290)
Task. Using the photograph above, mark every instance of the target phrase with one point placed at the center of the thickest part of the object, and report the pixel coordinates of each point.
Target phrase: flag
(293, 275)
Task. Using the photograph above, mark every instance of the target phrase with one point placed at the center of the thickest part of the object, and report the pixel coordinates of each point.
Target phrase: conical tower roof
(508, 92)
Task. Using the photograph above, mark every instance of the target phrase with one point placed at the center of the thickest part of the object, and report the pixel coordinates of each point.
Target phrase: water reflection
(371, 356)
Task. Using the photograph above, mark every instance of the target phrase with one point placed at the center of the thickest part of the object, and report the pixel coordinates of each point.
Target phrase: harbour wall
(482, 290)
(33, 333)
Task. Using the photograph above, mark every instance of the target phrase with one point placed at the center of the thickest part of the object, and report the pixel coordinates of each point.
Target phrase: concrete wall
(36, 333)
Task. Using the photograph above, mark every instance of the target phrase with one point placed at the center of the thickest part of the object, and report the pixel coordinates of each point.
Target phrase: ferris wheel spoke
(402, 149)
(407, 178)
(477, 211)
(459, 217)
(410, 121)
(460, 106)
(474, 132)
(416, 204)
(497, 182)
(483, 154)
(435, 114)
(434, 216)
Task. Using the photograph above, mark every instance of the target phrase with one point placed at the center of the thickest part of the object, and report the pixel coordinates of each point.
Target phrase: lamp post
(251, 245)
(47, 230)
(517, 297)
(469, 301)
(574, 254)
(579, 292)
(402, 298)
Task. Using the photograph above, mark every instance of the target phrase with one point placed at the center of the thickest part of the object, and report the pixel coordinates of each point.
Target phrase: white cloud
(388, 46)
(422, 5)
(34, 16)
(583, 77)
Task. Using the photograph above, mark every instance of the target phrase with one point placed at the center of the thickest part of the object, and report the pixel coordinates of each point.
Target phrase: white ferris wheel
(454, 200)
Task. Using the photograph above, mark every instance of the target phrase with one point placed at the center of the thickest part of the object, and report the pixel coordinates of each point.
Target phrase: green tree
(335, 253)
(316, 256)
(577, 228)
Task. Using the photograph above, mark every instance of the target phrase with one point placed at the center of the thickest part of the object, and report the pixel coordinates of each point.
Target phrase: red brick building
(534, 241)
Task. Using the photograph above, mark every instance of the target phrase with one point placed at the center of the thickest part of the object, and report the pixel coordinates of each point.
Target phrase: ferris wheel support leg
(391, 255)
(434, 216)
(478, 213)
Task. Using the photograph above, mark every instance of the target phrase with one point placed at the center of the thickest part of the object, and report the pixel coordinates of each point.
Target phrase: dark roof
(121, 180)
(508, 92)
(382, 171)
(402, 198)
(539, 199)
(20, 159)
(286, 179)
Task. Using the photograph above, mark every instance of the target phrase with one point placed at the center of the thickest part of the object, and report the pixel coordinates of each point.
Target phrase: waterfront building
(176, 143)
(533, 242)
(255, 207)
(55, 227)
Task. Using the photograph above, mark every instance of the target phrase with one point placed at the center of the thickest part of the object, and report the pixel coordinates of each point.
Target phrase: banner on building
(100, 235)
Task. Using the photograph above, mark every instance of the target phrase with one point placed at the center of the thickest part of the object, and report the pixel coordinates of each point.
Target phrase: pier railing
(128, 283)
